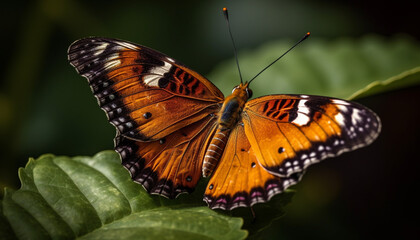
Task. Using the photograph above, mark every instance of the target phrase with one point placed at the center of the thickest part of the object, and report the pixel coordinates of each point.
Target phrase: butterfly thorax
(229, 116)
(233, 105)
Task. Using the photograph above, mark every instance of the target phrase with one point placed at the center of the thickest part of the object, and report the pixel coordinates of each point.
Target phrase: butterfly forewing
(141, 89)
(291, 132)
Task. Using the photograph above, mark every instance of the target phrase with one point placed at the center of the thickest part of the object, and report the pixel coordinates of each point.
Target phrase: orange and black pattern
(163, 112)
(314, 128)
(281, 109)
(239, 180)
(174, 126)
(137, 87)
(170, 166)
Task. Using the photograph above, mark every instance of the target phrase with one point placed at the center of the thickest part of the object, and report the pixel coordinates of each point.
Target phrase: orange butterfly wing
(164, 112)
(145, 94)
(171, 165)
(239, 180)
(288, 133)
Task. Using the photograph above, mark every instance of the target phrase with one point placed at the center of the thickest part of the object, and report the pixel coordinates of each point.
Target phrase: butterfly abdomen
(215, 151)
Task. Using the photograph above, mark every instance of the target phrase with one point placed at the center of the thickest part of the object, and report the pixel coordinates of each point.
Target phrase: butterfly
(174, 126)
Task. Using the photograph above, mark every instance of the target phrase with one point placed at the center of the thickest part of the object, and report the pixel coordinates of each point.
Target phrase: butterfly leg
(253, 214)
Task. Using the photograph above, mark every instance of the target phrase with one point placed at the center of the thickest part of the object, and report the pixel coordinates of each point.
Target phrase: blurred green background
(45, 107)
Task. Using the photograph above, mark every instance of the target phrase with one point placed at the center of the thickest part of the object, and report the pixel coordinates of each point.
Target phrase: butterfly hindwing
(141, 89)
(171, 165)
(290, 132)
(239, 180)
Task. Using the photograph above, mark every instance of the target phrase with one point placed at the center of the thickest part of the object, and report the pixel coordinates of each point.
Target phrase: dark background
(45, 107)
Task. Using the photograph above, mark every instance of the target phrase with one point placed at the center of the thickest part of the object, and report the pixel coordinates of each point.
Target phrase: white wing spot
(111, 64)
(100, 49)
(152, 79)
(339, 101)
(355, 116)
(340, 119)
(128, 45)
(303, 112)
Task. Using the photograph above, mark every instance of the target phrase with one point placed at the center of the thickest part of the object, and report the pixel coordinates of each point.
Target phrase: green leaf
(6, 231)
(94, 198)
(405, 79)
(339, 68)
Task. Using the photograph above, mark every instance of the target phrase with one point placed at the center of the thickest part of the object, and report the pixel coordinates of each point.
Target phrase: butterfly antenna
(225, 13)
(253, 215)
(269, 65)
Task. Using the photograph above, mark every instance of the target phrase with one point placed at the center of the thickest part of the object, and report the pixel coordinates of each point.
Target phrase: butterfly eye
(235, 88)
(249, 93)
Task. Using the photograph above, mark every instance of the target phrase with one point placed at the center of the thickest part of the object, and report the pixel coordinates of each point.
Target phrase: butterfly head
(242, 91)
